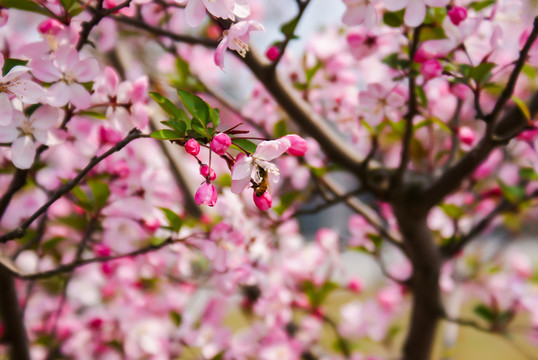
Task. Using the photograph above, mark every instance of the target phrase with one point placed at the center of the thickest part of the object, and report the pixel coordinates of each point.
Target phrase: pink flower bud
(466, 135)
(192, 147)
(461, 91)
(263, 202)
(220, 144)
(206, 195)
(421, 55)
(206, 170)
(298, 146)
(457, 14)
(431, 69)
(102, 250)
(272, 53)
(50, 26)
(355, 285)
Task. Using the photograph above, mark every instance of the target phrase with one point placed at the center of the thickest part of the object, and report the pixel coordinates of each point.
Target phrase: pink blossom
(23, 132)
(11, 85)
(192, 147)
(196, 9)
(67, 71)
(220, 144)
(264, 201)
(298, 145)
(4, 17)
(355, 285)
(206, 195)
(377, 102)
(272, 53)
(236, 38)
(457, 14)
(431, 69)
(466, 135)
(206, 171)
(247, 168)
(359, 12)
(415, 10)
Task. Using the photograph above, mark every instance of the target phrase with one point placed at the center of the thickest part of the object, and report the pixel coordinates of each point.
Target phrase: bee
(260, 187)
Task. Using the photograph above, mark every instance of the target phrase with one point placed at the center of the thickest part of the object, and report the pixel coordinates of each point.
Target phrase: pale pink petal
(14, 73)
(220, 51)
(67, 58)
(268, 150)
(241, 8)
(242, 167)
(27, 91)
(50, 137)
(80, 97)
(240, 184)
(221, 9)
(6, 110)
(87, 70)
(8, 134)
(58, 94)
(112, 79)
(394, 5)
(1, 61)
(354, 15)
(23, 152)
(415, 13)
(437, 3)
(45, 117)
(45, 70)
(194, 12)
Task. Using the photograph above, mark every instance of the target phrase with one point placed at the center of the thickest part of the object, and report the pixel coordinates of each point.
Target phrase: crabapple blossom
(206, 171)
(298, 145)
(24, 131)
(378, 102)
(220, 144)
(264, 201)
(247, 168)
(236, 38)
(192, 147)
(67, 71)
(272, 53)
(206, 195)
(360, 12)
(12, 85)
(415, 10)
(196, 9)
(431, 69)
(457, 14)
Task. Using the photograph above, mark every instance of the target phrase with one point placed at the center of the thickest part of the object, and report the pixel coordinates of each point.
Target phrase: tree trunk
(14, 331)
(424, 283)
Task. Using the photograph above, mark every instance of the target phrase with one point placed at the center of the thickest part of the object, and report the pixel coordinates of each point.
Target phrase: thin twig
(68, 186)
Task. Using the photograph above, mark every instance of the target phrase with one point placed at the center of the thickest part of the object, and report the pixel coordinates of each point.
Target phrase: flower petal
(58, 94)
(45, 70)
(415, 13)
(27, 91)
(45, 117)
(269, 150)
(220, 51)
(6, 110)
(194, 12)
(87, 70)
(80, 97)
(23, 152)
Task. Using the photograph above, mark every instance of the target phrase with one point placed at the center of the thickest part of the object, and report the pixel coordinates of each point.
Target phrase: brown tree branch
(64, 189)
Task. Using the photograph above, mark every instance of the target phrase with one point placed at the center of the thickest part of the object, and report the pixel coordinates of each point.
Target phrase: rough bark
(424, 283)
(15, 333)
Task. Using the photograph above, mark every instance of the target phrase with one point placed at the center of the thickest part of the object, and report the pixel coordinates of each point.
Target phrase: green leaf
(27, 5)
(11, 63)
(452, 210)
(245, 144)
(166, 105)
(422, 95)
(394, 19)
(512, 193)
(92, 114)
(528, 173)
(395, 62)
(83, 200)
(195, 105)
(280, 129)
(165, 134)
(200, 128)
(214, 116)
(309, 73)
(484, 312)
(179, 127)
(482, 72)
(522, 106)
(100, 193)
(67, 4)
(288, 28)
(174, 220)
(479, 5)
(52, 243)
(176, 318)
(75, 10)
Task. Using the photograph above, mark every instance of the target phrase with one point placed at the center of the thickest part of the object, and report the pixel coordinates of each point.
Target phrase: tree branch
(64, 189)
